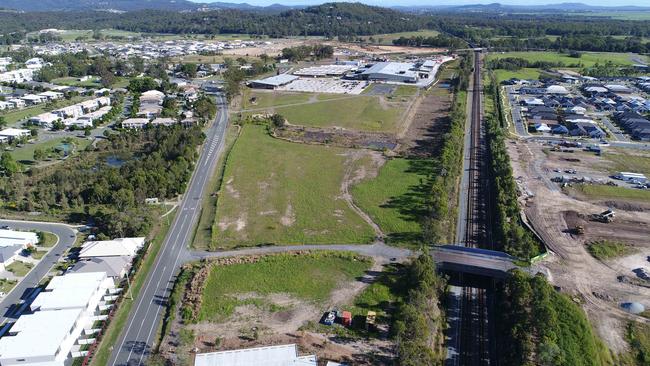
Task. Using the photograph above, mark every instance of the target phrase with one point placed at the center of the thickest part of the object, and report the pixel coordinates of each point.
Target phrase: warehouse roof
(284, 355)
(277, 80)
(391, 68)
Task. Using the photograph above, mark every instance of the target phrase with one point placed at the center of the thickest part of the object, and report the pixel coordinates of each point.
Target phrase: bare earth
(283, 326)
(591, 282)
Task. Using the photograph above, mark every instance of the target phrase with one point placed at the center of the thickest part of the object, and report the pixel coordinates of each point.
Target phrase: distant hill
(134, 5)
(81, 5)
(497, 7)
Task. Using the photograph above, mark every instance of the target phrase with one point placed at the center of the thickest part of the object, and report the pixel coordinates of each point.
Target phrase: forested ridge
(500, 30)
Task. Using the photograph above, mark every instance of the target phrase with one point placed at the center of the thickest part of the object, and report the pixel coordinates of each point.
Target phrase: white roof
(108, 248)
(277, 80)
(153, 94)
(284, 355)
(39, 334)
(14, 132)
(391, 68)
(10, 238)
(596, 89)
(557, 89)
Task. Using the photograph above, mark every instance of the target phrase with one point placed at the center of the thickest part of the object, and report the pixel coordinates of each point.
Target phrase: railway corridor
(474, 343)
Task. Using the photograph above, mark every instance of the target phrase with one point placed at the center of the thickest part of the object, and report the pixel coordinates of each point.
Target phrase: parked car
(330, 318)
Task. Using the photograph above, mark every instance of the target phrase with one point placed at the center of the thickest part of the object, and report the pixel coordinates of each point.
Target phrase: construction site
(588, 208)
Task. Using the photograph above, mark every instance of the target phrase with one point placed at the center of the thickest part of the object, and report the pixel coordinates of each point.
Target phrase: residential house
(60, 322)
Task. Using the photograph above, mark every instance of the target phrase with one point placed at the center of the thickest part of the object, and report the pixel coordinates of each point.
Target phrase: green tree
(39, 154)
(189, 69)
(8, 166)
(205, 108)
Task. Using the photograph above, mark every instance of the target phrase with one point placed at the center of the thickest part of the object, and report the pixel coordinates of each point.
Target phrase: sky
(443, 2)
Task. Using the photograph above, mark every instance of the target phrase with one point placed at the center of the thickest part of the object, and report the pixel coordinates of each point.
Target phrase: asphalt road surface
(139, 333)
(10, 304)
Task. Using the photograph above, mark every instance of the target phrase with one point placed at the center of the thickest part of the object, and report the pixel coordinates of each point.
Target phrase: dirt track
(591, 282)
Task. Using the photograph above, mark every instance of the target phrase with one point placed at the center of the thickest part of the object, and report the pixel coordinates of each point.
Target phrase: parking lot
(326, 85)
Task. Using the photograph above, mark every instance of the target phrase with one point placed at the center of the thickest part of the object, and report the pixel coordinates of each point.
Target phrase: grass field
(605, 249)
(277, 192)
(109, 338)
(387, 38)
(394, 199)
(39, 254)
(625, 162)
(309, 277)
(7, 285)
(25, 154)
(587, 59)
(19, 269)
(273, 99)
(203, 236)
(49, 240)
(603, 192)
(525, 73)
(364, 113)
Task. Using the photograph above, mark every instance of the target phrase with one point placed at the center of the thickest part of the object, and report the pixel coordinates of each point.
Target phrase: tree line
(509, 232)
(419, 322)
(540, 326)
(304, 52)
(439, 40)
(158, 163)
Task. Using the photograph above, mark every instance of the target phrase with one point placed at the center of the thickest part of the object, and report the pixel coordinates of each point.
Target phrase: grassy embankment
(605, 249)
(310, 278)
(277, 192)
(118, 322)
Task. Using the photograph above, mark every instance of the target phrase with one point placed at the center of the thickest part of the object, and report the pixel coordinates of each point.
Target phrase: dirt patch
(231, 191)
(337, 137)
(289, 216)
(553, 214)
(429, 120)
(355, 173)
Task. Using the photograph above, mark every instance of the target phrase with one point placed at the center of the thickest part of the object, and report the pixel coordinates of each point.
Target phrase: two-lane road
(24, 288)
(140, 330)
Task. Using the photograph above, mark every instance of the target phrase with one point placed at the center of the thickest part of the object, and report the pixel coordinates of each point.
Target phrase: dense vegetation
(441, 40)
(304, 52)
(543, 327)
(158, 163)
(418, 328)
(493, 29)
(516, 63)
(509, 233)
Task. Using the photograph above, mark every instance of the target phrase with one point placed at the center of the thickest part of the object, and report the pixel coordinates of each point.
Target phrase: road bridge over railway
(476, 261)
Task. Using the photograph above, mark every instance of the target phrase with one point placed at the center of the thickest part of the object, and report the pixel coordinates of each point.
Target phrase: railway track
(475, 332)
